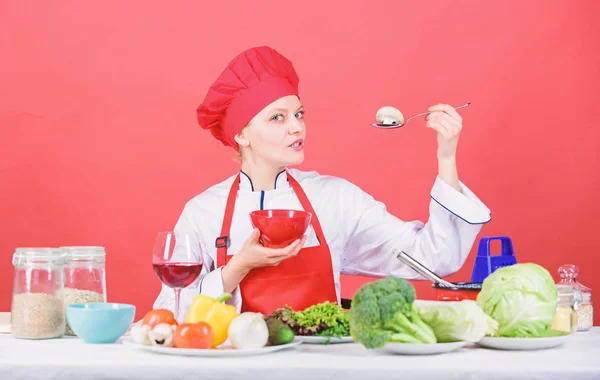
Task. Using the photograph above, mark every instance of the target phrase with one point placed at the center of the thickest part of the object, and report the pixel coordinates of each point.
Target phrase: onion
(248, 330)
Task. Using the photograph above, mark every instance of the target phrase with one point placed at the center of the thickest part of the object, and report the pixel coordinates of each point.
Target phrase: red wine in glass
(177, 275)
(177, 261)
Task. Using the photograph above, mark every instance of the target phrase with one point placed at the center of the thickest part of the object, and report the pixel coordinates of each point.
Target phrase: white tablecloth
(70, 358)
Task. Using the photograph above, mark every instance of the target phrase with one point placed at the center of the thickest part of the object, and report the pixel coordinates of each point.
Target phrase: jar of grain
(585, 312)
(85, 277)
(36, 310)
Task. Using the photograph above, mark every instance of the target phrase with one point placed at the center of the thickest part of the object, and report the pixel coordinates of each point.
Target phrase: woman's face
(276, 134)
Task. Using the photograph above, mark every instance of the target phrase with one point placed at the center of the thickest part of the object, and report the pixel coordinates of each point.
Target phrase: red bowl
(280, 228)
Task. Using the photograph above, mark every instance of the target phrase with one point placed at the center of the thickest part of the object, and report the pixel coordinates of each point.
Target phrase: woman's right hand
(254, 255)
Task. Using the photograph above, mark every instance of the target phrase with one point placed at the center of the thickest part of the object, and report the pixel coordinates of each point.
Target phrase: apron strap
(222, 242)
(307, 207)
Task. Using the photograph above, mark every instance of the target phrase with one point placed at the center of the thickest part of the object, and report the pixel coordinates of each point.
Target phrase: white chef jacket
(360, 232)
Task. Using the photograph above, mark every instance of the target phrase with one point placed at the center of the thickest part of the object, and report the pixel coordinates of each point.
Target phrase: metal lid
(564, 289)
(566, 295)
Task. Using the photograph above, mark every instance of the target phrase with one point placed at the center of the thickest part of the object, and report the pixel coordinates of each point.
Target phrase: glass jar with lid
(85, 276)
(583, 296)
(566, 316)
(36, 310)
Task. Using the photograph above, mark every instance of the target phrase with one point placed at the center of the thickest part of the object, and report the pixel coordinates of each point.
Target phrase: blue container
(100, 322)
(485, 264)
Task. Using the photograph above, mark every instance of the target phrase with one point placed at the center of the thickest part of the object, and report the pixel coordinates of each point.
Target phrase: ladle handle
(422, 270)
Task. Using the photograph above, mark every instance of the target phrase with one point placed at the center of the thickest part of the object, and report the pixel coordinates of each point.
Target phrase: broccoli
(383, 311)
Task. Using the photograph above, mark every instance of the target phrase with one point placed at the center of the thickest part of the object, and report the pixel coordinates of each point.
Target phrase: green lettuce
(332, 319)
(522, 298)
(456, 321)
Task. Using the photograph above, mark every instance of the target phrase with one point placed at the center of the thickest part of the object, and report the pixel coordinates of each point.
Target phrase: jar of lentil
(583, 299)
(36, 310)
(85, 277)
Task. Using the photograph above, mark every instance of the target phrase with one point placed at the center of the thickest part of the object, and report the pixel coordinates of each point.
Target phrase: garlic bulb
(162, 335)
(248, 330)
(139, 334)
(389, 115)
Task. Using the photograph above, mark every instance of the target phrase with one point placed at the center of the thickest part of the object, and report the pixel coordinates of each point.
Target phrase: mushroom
(139, 334)
(162, 335)
(389, 115)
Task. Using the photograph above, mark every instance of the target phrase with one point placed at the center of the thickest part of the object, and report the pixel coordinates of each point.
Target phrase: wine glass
(177, 261)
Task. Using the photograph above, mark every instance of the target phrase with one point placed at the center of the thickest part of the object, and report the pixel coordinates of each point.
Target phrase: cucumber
(279, 332)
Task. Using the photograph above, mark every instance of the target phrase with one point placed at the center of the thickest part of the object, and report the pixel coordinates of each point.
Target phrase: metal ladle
(396, 125)
(422, 270)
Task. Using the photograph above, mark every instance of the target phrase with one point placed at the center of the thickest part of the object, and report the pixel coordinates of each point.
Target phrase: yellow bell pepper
(214, 312)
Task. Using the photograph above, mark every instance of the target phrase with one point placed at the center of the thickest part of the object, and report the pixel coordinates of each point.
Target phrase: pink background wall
(99, 143)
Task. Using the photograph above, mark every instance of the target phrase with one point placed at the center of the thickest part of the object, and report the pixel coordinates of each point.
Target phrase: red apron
(300, 281)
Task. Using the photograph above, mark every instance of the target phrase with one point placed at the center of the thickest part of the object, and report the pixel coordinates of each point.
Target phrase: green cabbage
(456, 321)
(522, 298)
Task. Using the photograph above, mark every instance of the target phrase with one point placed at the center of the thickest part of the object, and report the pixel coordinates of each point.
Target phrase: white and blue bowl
(100, 322)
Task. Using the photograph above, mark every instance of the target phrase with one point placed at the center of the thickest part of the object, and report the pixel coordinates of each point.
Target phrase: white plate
(322, 339)
(422, 348)
(218, 352)
(520, 344)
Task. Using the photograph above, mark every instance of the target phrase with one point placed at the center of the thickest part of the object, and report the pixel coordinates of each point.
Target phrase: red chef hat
(252, 80)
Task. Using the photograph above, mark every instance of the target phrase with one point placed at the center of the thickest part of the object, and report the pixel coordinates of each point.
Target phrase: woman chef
(254, 107)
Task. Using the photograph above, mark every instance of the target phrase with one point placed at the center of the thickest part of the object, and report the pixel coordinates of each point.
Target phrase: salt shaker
(583, 296)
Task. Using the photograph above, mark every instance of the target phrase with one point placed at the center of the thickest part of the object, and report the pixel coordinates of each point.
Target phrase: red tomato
(158, 316)
(193, 335)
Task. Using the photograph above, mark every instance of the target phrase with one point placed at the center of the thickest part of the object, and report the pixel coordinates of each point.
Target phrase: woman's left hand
(448, 124)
